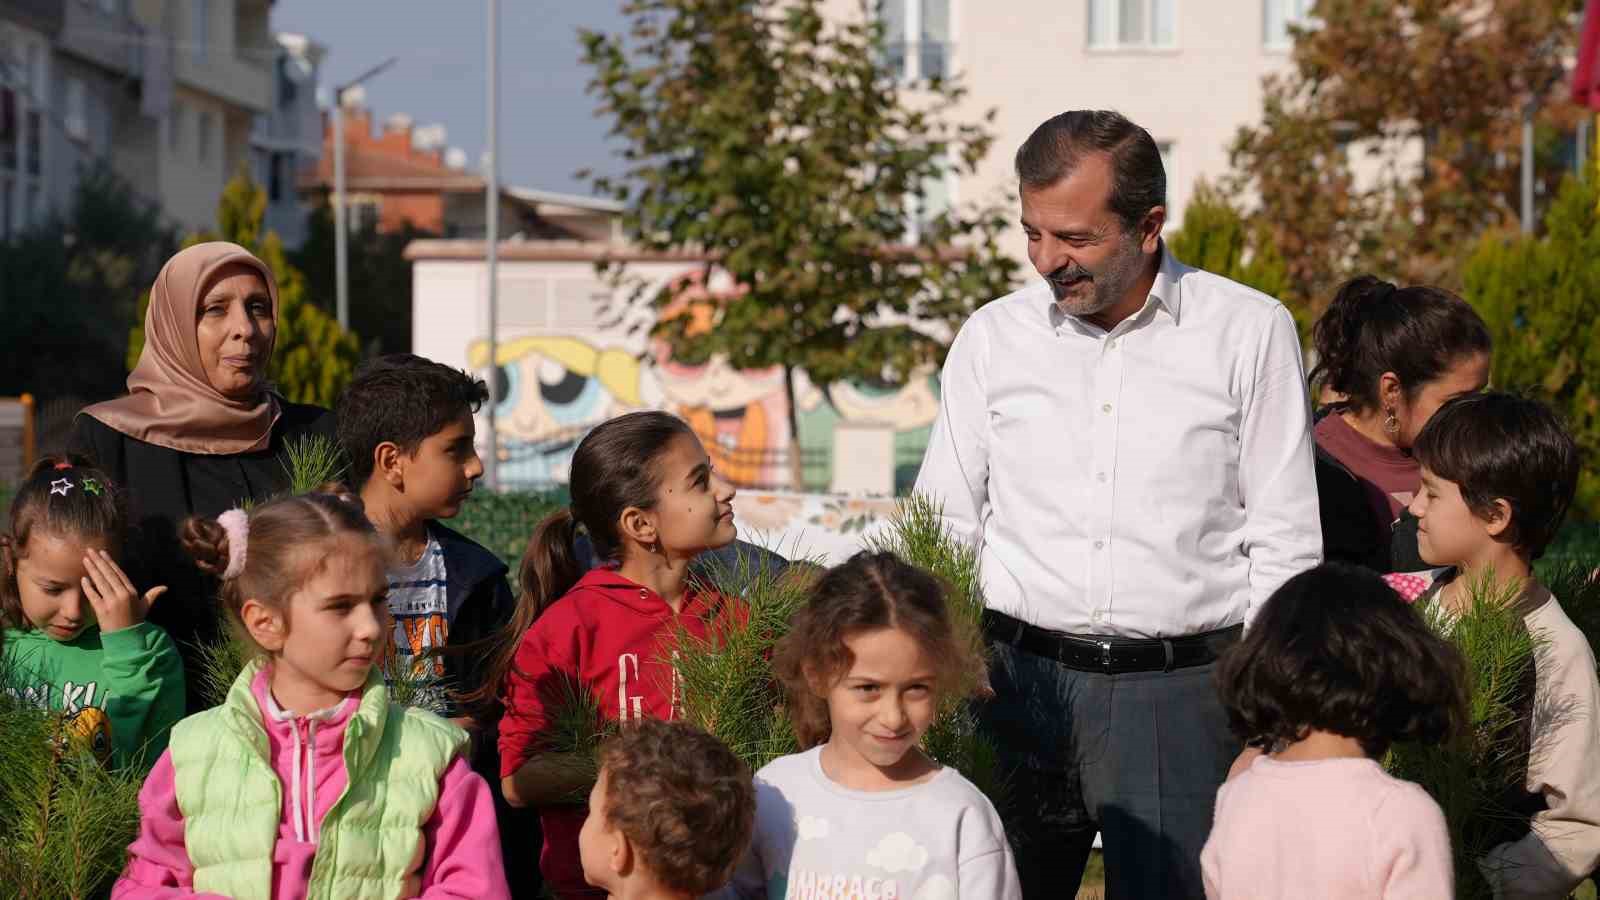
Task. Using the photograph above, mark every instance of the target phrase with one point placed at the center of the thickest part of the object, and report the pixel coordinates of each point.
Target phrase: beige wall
(1030, 59)
(224, 85)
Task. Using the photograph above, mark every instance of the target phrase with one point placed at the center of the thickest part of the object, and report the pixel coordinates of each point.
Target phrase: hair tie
(236, 524)
(64, 464)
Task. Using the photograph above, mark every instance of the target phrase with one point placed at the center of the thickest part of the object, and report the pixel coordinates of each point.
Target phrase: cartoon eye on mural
(552, 390)
(908, 408)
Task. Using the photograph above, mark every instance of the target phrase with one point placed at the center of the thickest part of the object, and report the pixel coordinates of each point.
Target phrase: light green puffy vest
(371, 841)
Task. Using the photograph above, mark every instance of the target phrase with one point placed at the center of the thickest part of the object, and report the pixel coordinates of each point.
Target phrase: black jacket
(479, 603)
(1350, 531)
(165, 486)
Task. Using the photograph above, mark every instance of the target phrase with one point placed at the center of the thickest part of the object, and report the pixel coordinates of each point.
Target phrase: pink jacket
(462, 843)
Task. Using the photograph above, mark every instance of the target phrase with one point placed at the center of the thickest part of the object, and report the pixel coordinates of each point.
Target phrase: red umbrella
(1586, 77)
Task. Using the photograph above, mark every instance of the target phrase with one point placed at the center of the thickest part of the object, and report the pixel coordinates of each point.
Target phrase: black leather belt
(1108, 654)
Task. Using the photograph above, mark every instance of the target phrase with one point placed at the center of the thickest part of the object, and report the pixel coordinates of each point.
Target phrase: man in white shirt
(1127, 443)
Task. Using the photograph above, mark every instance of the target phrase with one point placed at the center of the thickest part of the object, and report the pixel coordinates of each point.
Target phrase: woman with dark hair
(1393, 356)
(200, 430)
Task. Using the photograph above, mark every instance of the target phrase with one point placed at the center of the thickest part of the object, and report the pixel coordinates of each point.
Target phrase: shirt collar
(1165, 293)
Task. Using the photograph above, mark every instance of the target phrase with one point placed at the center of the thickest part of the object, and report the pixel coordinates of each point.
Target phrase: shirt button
(1098, 616)
(1100, 477)
(1105, 407)
(1111, 344)
(1099, 545)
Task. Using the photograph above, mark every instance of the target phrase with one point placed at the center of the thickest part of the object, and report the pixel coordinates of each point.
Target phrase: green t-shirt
(129, 682)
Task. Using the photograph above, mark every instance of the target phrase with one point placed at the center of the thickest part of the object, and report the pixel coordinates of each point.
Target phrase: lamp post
(491, 201)
(341, 265)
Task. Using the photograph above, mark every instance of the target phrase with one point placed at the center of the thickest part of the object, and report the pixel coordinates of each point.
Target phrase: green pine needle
(65, 820)
(312, 460)
(1469, 776)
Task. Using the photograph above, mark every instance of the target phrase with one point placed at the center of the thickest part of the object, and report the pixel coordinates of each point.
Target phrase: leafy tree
(313, 358)
(70, 289)
(380, 278)
(1376, 82)
(1216, 237)
(1541, 299)
(781, 144)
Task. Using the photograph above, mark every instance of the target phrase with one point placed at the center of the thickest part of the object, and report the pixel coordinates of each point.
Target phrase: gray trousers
(1137, 757)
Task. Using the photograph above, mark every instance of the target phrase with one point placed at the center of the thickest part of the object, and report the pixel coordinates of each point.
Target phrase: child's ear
(621, 857)
(264, 624)
(388, 463)
(639, 526)
(1498, 521)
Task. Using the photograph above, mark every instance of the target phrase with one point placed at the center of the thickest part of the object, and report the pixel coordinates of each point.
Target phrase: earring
(1391, 424)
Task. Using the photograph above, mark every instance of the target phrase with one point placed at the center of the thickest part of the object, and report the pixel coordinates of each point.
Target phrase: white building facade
(1189, 71)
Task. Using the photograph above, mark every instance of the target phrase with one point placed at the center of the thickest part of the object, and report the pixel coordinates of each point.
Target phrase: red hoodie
(613, 637)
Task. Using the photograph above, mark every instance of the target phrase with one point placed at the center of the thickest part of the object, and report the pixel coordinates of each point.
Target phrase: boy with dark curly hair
(670, 815)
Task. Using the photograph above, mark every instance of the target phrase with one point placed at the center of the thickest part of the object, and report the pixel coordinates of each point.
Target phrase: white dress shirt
(1151, 481)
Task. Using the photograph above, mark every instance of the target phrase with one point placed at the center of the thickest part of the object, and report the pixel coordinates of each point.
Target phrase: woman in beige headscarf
(200, 430)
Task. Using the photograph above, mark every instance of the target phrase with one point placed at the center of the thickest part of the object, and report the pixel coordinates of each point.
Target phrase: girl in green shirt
(73, 635)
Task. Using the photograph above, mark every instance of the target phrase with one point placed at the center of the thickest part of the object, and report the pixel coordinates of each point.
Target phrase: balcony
(103, 35)
(228, 78)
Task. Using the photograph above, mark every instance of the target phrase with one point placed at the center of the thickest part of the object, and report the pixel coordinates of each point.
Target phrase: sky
(548, 129)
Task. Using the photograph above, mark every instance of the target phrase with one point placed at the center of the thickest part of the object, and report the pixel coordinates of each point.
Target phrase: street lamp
(492, 239)
(341, 262)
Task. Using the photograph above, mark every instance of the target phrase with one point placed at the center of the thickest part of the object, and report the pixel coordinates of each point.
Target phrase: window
(361, 215)
(1133, 24)
(1277, 16)
(33, 139)
(203, 136)
(916, 37)
(935, 199)
(277, 169)
(75, 115)
(10, 131)
(175, 126)
(200, 28)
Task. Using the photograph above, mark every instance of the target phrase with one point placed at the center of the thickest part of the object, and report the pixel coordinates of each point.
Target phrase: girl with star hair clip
(73, 635)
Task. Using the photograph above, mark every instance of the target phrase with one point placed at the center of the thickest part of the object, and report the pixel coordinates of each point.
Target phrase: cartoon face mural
(552, 390)
(740, 415)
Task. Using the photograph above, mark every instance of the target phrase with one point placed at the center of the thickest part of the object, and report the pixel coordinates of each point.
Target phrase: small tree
(1374, 84)
(1216, 237)
(313, 358)
(780, 144)
(70, 287)
(380, 278)
(1541, 299)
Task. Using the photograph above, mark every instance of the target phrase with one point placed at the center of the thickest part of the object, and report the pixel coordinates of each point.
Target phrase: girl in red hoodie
(644, 490)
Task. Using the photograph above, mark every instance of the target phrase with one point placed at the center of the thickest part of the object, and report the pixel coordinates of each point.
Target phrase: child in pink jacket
(307, 782)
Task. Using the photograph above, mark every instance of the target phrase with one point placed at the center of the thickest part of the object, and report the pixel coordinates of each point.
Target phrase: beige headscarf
(170, 401)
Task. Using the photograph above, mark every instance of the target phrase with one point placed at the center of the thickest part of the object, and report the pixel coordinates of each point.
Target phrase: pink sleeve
(1413, 847)
(158, 865)
(463, 841)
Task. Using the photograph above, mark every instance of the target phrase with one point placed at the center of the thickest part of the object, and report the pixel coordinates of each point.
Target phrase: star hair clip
(92, 487)
(60, 486)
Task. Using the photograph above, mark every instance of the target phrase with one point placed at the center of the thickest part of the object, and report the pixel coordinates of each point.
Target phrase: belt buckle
(1105, 654)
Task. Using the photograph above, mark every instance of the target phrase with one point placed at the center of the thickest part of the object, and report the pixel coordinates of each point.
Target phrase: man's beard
(1105, 288)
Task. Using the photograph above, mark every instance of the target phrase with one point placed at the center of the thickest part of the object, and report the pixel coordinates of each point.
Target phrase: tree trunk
(796, 462)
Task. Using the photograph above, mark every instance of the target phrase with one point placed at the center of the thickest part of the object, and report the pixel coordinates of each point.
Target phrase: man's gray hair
(1139, 180)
